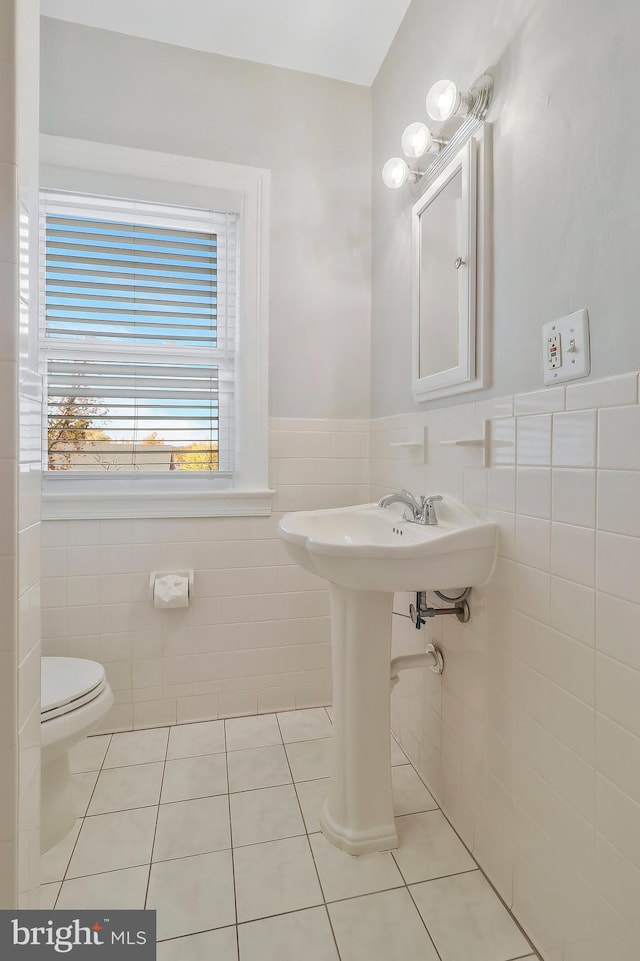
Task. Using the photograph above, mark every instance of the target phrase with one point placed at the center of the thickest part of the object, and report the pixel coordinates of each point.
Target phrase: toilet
(76, 696)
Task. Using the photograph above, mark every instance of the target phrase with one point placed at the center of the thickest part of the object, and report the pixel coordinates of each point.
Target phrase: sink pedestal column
(358, 813)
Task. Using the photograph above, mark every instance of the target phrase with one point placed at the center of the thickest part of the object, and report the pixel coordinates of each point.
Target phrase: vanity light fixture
(417, 140)
(397, 172)
(444, 100)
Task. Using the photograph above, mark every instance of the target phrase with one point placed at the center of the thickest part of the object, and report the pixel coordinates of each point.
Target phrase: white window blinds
(138, 335)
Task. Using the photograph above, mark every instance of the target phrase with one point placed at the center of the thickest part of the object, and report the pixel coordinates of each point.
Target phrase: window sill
(94, 505)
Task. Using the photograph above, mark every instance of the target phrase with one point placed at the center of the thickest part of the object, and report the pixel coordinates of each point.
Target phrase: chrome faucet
(422, 511)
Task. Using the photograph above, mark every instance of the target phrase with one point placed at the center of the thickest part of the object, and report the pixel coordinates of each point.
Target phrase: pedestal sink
(367, 553)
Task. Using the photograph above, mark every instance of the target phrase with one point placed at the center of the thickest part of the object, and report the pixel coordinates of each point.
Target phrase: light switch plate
(565, 348)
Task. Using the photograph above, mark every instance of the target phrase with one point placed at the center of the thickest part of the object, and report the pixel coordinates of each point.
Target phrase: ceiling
(343, 39)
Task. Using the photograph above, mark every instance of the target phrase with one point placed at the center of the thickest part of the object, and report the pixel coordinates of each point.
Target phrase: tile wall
(530, 740)
(256, 637)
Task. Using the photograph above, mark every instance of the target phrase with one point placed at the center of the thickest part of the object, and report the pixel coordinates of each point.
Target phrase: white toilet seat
(76, 697)
(68, 683)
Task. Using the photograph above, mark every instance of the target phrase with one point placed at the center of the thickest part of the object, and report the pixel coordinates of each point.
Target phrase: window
(139, 323)
(151, 409)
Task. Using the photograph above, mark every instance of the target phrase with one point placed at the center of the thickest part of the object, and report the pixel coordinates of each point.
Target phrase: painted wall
(566, 191)
(312, 133)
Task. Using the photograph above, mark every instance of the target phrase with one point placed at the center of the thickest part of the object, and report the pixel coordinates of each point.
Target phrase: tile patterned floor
(215, 825)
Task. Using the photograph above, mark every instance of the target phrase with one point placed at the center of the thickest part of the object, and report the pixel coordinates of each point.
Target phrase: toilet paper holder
(156, 574)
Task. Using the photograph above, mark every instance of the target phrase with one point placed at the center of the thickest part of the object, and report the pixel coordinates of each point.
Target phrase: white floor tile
(122, 788)
(192, 894)
(275, 877)
(467, 919)
(220, 945)
(259, 767)
(137, 747)
(312, 795)
(194, 777)
(268, 814)
(54, 863)
(381, 927)
(187, 828)
(343, 876)
(83, 785)
(428, 847)
(310, 759)
(288, 937)
(247, 732)
(410, 796)
(48, 895)
(89, 754)
(109, 842)
(304, 725)
(191, 740)
(123, 890)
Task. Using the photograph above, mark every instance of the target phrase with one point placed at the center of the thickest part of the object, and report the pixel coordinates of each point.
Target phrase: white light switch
(565, 345)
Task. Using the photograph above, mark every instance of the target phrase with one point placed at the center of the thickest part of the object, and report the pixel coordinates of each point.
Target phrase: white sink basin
(370, 548)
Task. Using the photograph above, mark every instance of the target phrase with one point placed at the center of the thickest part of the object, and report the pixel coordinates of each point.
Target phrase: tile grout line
(84, 817)
(315, 866)
(155, 829)
(233, 860)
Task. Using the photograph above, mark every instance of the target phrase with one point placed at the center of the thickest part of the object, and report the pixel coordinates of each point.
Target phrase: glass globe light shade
(395, 172)
(416, 140)
(443, 99)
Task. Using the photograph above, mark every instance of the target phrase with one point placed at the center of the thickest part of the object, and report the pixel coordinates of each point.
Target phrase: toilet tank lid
(66, 678)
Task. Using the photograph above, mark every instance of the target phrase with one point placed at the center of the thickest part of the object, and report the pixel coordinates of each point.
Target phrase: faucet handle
(431, 499)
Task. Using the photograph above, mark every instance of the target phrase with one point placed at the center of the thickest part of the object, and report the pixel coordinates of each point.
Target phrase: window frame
(89, 167)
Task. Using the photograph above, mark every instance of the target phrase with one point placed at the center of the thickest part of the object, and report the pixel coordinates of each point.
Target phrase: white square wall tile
(192, 894)
(606, 392)
(573, 553)
(539, 401)
(501, 488)
(275, 877)
(533, 541)
(618, 565)
(533, 491)
(381, 927)
(574, 439)
(617, 629)
(466, 919)
(574, 496)
(619, 438)
(287, 937)
(619, 502)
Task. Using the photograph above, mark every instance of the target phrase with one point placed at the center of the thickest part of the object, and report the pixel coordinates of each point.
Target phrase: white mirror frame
(470, 373)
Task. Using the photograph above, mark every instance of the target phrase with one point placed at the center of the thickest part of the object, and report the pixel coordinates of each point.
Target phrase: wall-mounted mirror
(448, 283)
